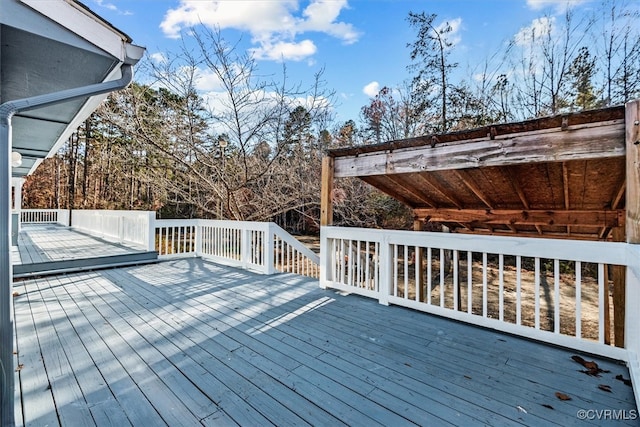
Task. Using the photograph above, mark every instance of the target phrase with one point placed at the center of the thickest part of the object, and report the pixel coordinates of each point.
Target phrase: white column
(17, 184)
(6, 275)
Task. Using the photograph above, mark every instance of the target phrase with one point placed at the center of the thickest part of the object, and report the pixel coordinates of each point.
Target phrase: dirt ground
(589, 302)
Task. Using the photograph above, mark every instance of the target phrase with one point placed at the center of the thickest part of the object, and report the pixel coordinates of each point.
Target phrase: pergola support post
(326, 217)
(619, 286)
(632, 289)
(326, 202)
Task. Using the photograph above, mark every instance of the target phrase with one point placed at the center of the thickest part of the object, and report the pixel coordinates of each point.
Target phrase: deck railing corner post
(327, 256)
(268, 249)
(386, 271)
(151, 231)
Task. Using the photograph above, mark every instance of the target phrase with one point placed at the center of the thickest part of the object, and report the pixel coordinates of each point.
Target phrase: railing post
(386, 270)
(326, 257)
(62, 217)
(245, 246)
(151, 231)
(268, 249)
(197, 228)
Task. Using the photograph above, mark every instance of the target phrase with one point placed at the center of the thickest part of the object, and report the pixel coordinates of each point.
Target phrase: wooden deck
(186, 342)
(53, 247)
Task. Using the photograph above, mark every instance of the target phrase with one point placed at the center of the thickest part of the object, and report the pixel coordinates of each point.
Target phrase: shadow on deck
(187, 342)
(50, 249)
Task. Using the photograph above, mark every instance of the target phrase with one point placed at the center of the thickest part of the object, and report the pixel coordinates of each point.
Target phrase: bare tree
(547, 50)
(394, 114)
(430, 53)
(619, 50)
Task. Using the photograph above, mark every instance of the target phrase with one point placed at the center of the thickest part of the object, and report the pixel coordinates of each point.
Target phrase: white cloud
(538, 28)
(453, 36)
(274, 25)
(109, 6)
(158, 57)
(285, 50)
(207, 81)
(321, 16)
(112, 7)
(372, 89)
(560, 5)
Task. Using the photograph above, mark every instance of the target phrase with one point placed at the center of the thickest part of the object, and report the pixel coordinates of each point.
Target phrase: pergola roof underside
(576, 193)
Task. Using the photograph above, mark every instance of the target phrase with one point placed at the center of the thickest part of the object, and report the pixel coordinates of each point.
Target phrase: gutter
(7, 111)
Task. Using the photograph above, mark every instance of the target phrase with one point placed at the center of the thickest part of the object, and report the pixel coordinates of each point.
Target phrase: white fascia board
(79, 22)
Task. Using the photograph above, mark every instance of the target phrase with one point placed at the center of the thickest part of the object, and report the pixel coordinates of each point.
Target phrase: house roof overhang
(50, 46)
(561, 176)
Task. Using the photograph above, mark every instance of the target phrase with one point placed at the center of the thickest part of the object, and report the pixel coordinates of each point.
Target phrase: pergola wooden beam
(414, 191)
(587, 141)
(615, 203)
(437, 188)
(521, 195)
(593, 218)
(462, 175)
(326, 190)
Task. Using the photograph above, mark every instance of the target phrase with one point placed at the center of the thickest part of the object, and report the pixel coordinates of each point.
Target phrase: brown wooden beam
(565, 188)
(390, 191)
(513, 217)
(547, 235)
(523, 198)
(588, 141)
(619, 292)
(326, 190)
(632, 120)
(415, 192)
(615, 203)
(436, 187)
(462, 175)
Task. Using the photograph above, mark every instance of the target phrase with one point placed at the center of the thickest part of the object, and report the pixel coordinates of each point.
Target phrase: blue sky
(361, 44)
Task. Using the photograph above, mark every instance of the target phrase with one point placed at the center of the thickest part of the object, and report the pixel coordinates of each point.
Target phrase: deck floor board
(41, 243)
(186, 342)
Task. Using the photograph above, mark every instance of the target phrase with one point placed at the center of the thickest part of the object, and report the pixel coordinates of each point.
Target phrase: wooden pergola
(562, 177)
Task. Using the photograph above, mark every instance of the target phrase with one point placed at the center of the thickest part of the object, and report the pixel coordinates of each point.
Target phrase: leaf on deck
(547, 406)
(592, 367)
(562, 396)
(626, 381)
(605, 387)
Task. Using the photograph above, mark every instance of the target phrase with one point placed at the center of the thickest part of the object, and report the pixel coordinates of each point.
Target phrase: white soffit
(78, 21)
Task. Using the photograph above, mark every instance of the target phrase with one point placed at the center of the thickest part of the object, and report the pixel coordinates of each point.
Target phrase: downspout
(7, 111)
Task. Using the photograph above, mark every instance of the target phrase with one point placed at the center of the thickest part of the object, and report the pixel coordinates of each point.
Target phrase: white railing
(258, 246)
(551, 290)
(129, 227)
(44, 216)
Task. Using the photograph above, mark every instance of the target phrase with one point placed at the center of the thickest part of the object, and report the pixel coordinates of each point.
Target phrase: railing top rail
(244, 225)
(586, 251)
(175, 222)
(111, 212)
(284, 235)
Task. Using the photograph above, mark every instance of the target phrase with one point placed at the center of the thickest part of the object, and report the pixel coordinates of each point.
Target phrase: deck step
(74, 265)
